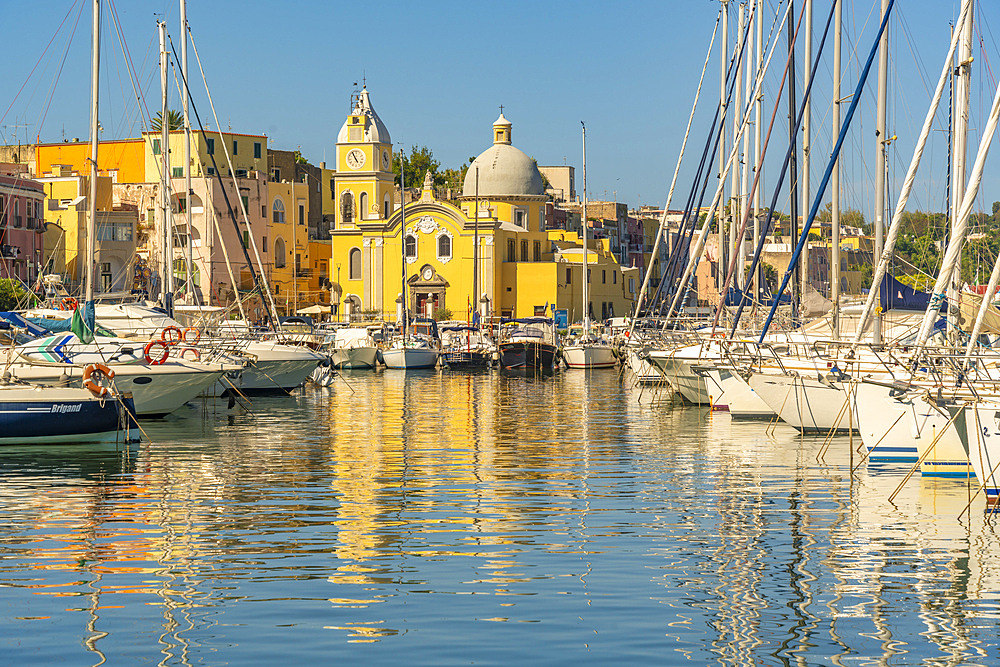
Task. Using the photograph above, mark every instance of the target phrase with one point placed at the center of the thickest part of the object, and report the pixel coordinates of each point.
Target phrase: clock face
(428, 273)
(356, 158)
(385, 160)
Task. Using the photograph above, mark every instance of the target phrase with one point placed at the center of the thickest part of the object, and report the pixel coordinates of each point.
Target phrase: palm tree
(175, 121)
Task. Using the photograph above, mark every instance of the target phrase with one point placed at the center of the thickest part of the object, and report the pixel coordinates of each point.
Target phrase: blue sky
(437, 74)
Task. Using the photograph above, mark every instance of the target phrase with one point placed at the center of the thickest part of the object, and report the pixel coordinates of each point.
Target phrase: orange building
(124, 160)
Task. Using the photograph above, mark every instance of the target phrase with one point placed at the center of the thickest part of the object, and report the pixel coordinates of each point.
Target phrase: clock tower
(363, 184)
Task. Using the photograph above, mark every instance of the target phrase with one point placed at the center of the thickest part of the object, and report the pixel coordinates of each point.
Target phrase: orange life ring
(160, 360)
(184, 336)
(171, 340)
(197, 353)
(95, 387)
(70, 303)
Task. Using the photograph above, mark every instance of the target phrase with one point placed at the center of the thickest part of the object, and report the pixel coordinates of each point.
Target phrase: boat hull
(467, 359)
(589, 356)
(732, 390)
(410, 358)
(32, 415)
(803, 402)
(518, 354)
(354, 358)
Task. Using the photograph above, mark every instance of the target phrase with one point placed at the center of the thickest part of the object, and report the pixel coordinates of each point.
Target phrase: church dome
(503, 169)
(374, 130)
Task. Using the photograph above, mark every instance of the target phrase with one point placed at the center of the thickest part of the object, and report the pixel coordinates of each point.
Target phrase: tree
(13, 296)
(420, 161)
(175, 121)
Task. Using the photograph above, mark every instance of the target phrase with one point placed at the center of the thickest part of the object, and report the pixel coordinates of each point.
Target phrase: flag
(80, 328)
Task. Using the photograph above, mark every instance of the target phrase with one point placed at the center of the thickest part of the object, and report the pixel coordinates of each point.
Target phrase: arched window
(363, 205)
(411, 246)
(278, 211)
(279, 253)
(347, 207)
(444, 246)
(385, 208)
(354, 264)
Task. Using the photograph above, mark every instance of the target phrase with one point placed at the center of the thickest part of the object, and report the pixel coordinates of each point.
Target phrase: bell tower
(364, 181)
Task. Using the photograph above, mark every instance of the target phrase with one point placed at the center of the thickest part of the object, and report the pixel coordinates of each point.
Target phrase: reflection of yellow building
(524, 269)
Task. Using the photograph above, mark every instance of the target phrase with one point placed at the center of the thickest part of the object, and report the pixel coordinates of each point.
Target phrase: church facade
(488, 251)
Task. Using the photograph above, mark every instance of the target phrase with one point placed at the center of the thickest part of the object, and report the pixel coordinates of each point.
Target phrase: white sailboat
(588, 350)
(409, 349)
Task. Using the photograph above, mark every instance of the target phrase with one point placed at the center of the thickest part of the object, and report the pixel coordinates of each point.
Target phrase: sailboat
(417, 345)
(44, 414)
(588, 350)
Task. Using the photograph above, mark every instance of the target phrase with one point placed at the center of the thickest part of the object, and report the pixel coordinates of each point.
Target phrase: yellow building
(122, 160)
(294, 282)
(523, 269)
(247, 153)
(67, 207)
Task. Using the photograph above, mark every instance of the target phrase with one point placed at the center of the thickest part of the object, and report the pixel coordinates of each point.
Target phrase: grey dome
(503, 171)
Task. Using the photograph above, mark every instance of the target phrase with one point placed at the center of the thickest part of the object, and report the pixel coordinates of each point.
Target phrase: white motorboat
(729, 388)
(352, 348)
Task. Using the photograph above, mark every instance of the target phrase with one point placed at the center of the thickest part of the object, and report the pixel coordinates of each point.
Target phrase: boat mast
(963, 76)
(758, 119)
(475, 255)
(722, 145)
(806, 122)
(168, 251)
(793, 176)
(881, 146)
(95, 67)
(586, 278)
(835, 177)
(188, 249)
(402, 237)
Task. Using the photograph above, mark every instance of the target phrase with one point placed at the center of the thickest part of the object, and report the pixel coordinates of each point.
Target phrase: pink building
(22, 224)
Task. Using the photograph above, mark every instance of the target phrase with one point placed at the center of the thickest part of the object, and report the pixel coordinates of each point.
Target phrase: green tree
(420, 161)
(175, 121)
(13, 296)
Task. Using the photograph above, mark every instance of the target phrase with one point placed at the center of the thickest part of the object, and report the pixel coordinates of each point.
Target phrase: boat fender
(69, 303)
(149, 347)
(185, 350)
(197, 337)
(94, 385)
(168, 335)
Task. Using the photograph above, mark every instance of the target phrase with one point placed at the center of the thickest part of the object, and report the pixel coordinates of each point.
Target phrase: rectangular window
(524, 250)
(333, 190)
(241, 173)
(302, 214)
(588, 275)
(211, 171)
(276, 175)
(182, 205)
(631, 285)
(236, 148)
(256, 149)
(246, 239)
(604, 277)
(263, 243)
(569, 276)
(538, 251)
(519, 218)
(210, 143)
(177, 172)
(263, 212)
(246, 203)
(614, 277)
(511, 250)
(156, 146)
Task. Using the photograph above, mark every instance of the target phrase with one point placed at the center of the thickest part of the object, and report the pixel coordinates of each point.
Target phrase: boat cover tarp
(894, 294)
(22, 323)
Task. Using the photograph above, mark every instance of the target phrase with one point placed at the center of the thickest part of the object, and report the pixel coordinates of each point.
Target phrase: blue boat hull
(71, 415)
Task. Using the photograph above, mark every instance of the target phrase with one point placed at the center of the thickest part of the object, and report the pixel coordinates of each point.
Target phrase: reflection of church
(523, 268)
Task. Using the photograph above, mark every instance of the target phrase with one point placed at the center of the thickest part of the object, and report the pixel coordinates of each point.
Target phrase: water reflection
(452, 513)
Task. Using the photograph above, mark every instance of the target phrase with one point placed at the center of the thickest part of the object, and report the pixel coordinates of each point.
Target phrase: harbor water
(437, 517)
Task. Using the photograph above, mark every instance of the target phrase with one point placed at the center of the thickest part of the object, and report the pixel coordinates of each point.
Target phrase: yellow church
(496, 228)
